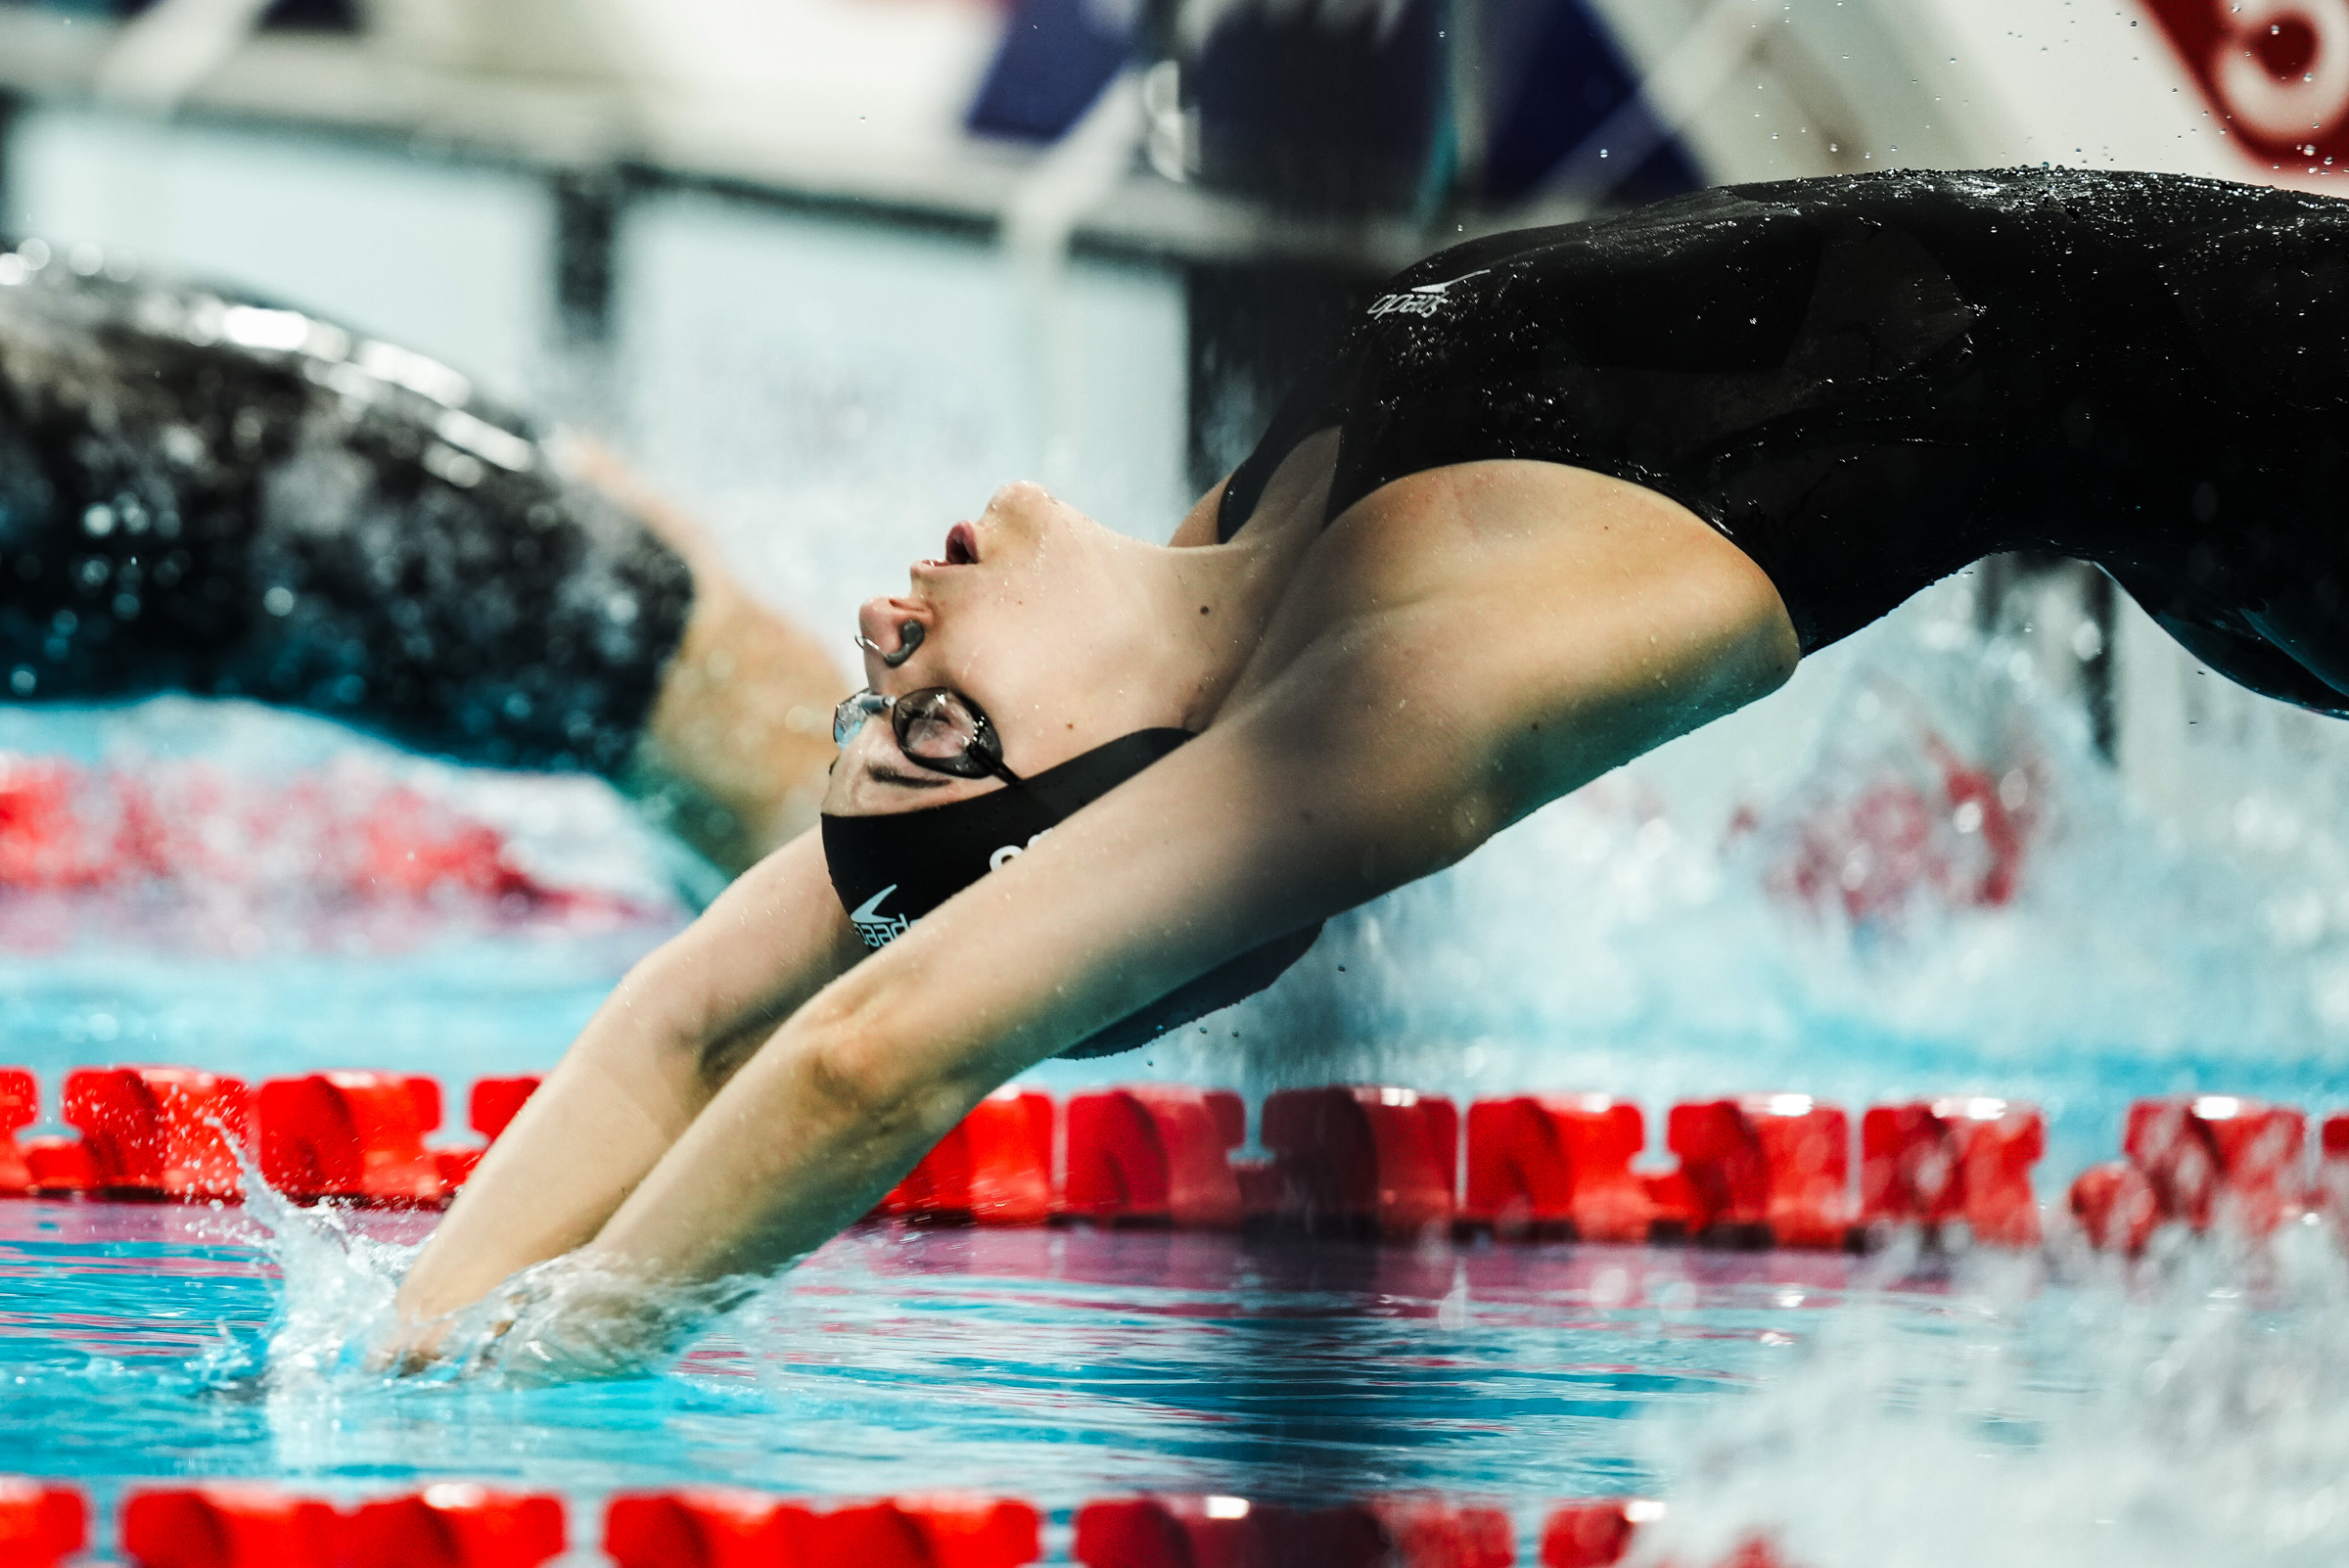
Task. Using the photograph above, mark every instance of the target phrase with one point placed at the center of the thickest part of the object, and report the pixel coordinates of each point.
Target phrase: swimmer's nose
(1017, 494)
(889, 631)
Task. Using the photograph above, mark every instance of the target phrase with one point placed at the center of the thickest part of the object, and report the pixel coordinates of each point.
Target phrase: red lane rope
(464, 1525)
(1368, 1160)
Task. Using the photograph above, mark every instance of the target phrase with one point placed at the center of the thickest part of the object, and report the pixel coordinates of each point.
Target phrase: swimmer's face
(1033, 610)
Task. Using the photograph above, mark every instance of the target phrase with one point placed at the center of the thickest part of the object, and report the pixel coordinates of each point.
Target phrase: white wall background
(832, 397)
(446, 258)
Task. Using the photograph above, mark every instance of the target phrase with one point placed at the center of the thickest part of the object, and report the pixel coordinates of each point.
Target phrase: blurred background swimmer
(203, 493)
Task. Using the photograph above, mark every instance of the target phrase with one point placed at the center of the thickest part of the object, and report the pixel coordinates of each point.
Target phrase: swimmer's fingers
(573, 1320)
(457, 1344)
(411, 1351)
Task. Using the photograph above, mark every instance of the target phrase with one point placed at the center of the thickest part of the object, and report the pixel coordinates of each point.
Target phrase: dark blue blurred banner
(329, 16)
(1055, 58)
(1327, 107)
(1553, 76)
(1336, 106)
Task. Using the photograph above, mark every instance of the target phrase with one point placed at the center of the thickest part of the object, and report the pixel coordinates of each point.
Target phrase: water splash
(336, 1329)
(2190, 1408)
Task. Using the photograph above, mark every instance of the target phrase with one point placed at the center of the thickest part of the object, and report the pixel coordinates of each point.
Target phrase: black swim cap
(892, 870)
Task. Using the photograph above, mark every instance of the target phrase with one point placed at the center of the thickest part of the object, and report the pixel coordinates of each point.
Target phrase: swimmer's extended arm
(1407, 715)
(659, 1048)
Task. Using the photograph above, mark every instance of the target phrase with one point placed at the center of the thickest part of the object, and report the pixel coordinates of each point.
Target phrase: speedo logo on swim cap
(878, 930)
(1012, 851)
(1424, 300)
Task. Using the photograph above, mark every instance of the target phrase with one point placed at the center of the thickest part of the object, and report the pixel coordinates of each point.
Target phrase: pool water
(2078, 1411)
(1056, 1364)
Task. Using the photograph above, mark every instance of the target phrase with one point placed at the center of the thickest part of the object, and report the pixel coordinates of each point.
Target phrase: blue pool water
(2180, 1412)
(1651, 937)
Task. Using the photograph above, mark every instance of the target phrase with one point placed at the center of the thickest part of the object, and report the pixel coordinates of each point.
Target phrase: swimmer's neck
(1213, 600)
(1207, 607)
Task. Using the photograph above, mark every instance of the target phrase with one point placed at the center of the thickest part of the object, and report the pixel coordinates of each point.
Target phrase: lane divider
(720, 1529)
(1159, 1154)
(41, 1525)
(243, 1524)
(2212, 1159)
(463, 1525)
(1182, 1532)
(164, 1133)
(1366, 1160)
(1381, 1161)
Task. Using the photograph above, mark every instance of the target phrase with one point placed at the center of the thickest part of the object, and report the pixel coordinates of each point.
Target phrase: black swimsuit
(201, 493)
(1868, 383)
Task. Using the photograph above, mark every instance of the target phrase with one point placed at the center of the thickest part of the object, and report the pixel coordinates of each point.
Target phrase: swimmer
(1558, 497)
(203, 493)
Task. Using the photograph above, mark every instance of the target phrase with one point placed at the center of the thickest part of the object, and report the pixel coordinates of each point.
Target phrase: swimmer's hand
(574, 1319)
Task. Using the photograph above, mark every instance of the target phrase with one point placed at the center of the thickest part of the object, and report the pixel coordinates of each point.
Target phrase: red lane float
(1362, 1158)
(705, 1528)
(2116, 1207)
(1766, 1169)
(2199, 1161)
(159, 1131)
(229, 1526)
(716, 1528)
(1596, 1533)
(2333, 1165)
(2219, 1157)
(1959, 1161)
(1557, 1165)
(495, 1101)
(20, 1108)
(236, 1526)
(166, 1132)
(58, 1167)
(456, 1525)
(994, 1168)
(353, 1136)
(1216, 1532)
(40, 1525)
(489, 1111)
(1155, 1154)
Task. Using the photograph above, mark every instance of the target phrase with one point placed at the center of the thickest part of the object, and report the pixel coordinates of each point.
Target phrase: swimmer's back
(1870, 382)
(202, 494)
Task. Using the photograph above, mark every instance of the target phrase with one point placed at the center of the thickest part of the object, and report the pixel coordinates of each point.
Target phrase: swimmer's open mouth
(962, 547)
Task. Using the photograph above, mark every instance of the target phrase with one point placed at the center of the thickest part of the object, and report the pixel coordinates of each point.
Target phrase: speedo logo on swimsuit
(1424, 300)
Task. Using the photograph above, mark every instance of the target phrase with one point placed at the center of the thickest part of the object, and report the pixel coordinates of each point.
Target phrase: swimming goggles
(936, 728)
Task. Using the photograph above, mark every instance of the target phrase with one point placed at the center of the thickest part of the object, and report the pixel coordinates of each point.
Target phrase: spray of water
(2193, 1407)
(336, 1329)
